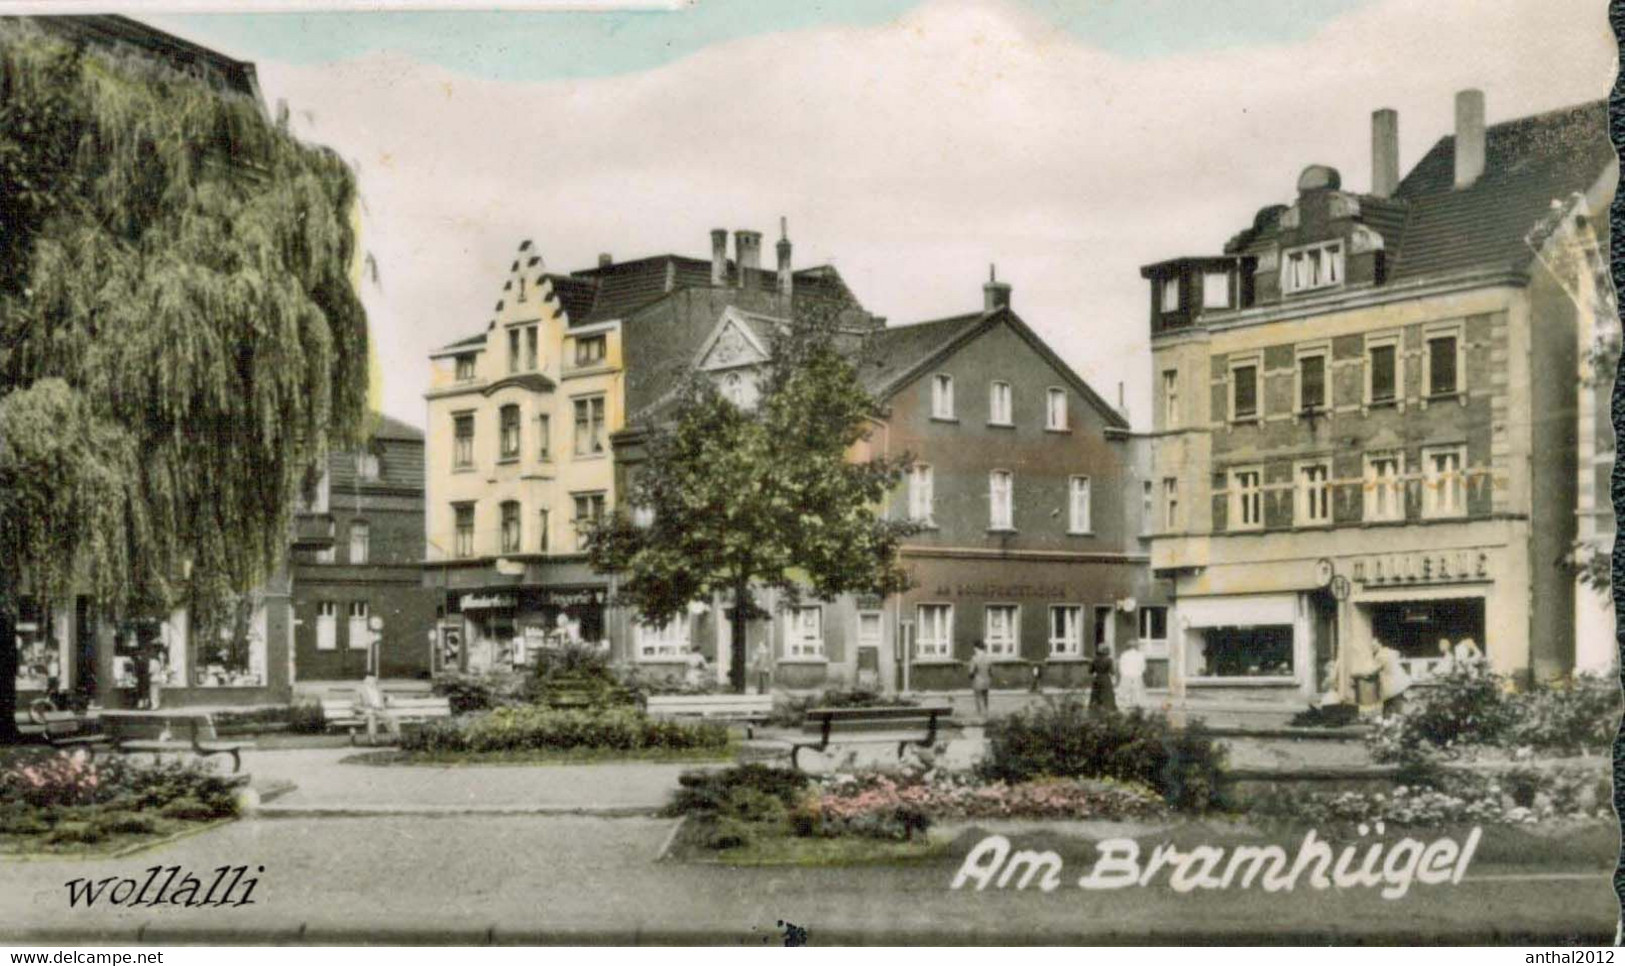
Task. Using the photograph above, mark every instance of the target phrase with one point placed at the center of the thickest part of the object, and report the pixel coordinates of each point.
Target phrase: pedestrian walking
(1392, 681)
(1131, 676)
(761, 666)
(981, 677)
(1102, 698)
(373, 707)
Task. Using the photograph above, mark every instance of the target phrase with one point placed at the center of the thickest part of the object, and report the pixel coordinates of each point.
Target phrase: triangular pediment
(731, 344)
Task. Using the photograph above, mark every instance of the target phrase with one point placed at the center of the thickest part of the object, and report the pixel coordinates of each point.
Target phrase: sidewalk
(324, 786)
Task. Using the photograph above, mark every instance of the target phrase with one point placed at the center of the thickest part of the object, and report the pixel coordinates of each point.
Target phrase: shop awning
(1238, 611)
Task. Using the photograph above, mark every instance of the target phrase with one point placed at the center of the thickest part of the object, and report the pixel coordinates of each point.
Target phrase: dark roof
(473, 341)
(183, 55)
(388, 427)
(1528, 163)
(890, 354)
(621, 288)
(1430, 227)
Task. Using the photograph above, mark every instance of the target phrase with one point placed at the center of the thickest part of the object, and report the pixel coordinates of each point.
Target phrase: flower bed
(1518, 796)
(64, 802)
(533, 728)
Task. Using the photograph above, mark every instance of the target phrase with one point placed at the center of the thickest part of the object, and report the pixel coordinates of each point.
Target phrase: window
(532, 356)
(367, 466)
(360, 537)
(936, 630)
(1000, 486)
(1215, 290)
(942, 396)
(1383, 498)
(805, 634)
(1312, 382)
(1055, 410)
(1442, 370)
(1318, 266)
(1382, 372)
(1066, 631)
(1444, 490)
(589, 509)
(666, 641)
(998, 405)
(590, 349)
(1170, 294)
(510, 527)
(1244, 391)
(1256, 651)
(589, 426)
(1148, 507)
(327, 626)
(1078, 505)
(1104, 626)
(464, 513)
(360, 635)
(541, 530)
(1170, 398)
(465, 367)
(1170, 503)
(513, 350)
(921, 495)
(1314, 493)
(733, 389)
(1154, 625)
(1246, 499)
(510, 432)
(462, 452)
(1003, 631)
(544, 437)
(327, 555)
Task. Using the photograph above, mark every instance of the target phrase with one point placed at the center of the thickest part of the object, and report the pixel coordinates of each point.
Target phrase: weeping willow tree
(180, 338)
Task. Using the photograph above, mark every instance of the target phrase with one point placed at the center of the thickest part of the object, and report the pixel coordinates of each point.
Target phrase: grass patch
(767, 848)
(81, 840)
(539, 756)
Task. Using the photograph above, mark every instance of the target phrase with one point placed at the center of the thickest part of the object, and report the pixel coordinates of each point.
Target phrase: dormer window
(465, 367)
(1170, 294)
(1312, 267)
(1215, 290)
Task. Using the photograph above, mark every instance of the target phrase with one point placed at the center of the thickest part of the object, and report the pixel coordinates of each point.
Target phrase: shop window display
(39, 659)
(232, 654)
(1241, 652)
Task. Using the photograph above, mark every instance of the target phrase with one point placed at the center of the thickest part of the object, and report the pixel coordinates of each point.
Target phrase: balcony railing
(313, 531)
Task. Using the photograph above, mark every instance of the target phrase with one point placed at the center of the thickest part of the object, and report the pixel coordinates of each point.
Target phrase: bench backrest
(424, 705)
(333, 708)
(841, 720)
(710, 704)
(144, 726)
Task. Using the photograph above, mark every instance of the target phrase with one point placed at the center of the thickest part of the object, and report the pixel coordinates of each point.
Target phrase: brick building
(1366, 419)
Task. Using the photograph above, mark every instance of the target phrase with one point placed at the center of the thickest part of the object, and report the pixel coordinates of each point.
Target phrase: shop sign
(487, 602)
(1438, 567)
(569, 598)
(1003, 591)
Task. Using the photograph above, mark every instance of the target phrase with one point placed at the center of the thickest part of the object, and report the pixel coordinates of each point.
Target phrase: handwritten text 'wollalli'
(1393, 867)
(168, 885)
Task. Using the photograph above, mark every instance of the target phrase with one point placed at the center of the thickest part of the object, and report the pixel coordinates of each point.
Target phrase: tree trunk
(737, 671)
(8, 673)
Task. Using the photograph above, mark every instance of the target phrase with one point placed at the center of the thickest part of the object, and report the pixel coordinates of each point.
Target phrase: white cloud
(910, 155)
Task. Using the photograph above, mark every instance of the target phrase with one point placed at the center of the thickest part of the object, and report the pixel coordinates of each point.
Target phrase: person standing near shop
(1131, 676)
(155, 679)
(761, 661)
(981, 677)
(142, 670)
(1102, 698)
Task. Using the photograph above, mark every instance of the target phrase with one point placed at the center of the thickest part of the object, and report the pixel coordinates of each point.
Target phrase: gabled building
(1366, 414)
(520, 422)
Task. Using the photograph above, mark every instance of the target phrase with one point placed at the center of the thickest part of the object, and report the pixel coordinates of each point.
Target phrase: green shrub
(193, 810)
(1326, 716)
(581, 661)
(306, 718)
(535, 728)
(1061, 739)
(728, 833)
(1567, 716)
(74, 833)
(468, 693)
(125, 823)
(712, 792)
(791, 712)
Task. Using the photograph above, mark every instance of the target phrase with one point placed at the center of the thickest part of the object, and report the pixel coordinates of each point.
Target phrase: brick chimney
(786, 276)
(1469, 137)
(748, 253)
(719, 257)
(1384, 152)
(605, 259)
(995, 294)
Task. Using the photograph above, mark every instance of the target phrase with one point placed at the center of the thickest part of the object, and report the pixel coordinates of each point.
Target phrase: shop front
(1253, 646)
(505, 629)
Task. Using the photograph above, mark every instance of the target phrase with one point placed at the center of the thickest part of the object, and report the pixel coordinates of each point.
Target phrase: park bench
(904, 725)
(402, 708)
(747, 709)
(174, 731)
(66, 729)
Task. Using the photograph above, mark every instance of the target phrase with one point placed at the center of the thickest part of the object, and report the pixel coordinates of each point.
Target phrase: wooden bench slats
(902, 724)
(748, 709)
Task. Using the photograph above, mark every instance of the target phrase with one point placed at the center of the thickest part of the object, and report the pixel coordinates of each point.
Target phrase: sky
(909, 143)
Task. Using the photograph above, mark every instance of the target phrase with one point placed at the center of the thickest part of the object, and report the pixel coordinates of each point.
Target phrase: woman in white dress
(1131, 674)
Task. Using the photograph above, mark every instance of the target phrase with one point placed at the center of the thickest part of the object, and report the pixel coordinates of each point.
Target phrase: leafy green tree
(776, 495)
(180, 338)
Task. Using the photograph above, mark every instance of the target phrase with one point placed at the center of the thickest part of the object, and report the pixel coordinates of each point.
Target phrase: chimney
(786, 277)
(995, 294)
(748, 253)
(605, 259)
(1469, 137)
(1384, 152)
(719, 257)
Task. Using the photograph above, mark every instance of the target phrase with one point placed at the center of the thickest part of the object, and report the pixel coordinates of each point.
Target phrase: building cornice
(992, 553)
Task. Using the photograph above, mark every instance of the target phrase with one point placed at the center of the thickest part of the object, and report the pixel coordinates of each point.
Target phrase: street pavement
(518, 879)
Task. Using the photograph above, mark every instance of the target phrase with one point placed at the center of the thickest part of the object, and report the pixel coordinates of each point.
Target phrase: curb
(443, 811)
